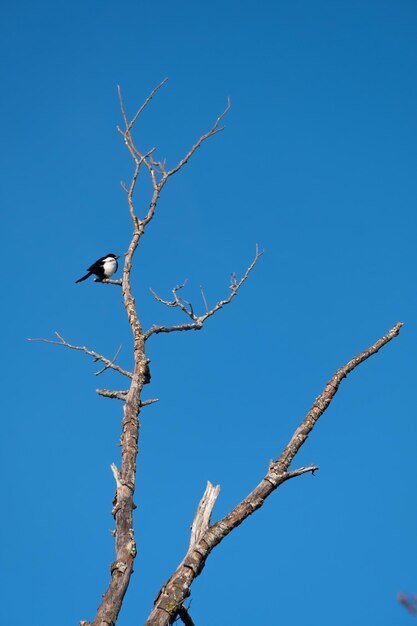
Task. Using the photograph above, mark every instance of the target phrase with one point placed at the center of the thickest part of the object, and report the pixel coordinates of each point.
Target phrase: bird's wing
(97, 265)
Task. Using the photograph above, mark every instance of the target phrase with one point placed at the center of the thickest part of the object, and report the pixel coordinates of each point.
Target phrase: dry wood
(169, 604)
(187, 308)
(96, 356)
(173, 594)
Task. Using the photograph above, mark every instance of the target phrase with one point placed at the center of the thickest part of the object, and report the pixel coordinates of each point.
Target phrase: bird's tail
(83, 278)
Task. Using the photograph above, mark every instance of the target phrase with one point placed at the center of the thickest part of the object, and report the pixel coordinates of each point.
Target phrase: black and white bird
(102, 268)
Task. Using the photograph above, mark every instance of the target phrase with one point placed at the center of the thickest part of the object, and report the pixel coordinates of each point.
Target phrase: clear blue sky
(318, 165)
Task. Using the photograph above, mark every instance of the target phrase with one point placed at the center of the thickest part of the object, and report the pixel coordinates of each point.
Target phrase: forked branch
(172, 596)
(157, 170)
(141, 108)
(187, 308)
(213, 131)
(109, 364)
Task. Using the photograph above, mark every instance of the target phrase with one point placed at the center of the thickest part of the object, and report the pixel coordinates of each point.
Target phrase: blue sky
(317, 165)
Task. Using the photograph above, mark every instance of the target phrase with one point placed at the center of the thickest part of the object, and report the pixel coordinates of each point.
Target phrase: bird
(103, 268)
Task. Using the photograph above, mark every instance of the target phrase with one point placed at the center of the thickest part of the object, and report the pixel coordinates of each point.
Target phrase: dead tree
(169, 603)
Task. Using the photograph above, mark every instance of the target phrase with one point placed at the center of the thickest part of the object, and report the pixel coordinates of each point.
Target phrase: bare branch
(200, 525)
(106, 367)
(109, 281)
(141, 108)
(170, 303)
(109, 393)
(323, 400)
(187, 308)
(159, 165)
(116, 475)
(96, 356)
(138, 162)
(177, 301)
(152, 164)
(234, 287)
(155, 330)
(204, 299)
(122, 395)
(202, 517)
(182, 303)
(302, 470)
(177, 589)
(213, 131)
(136, 155)
(151, 401)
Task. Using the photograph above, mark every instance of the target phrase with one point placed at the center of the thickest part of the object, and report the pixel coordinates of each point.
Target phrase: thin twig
(204, 299)
(122, 395)
(177, 301)
(138, 162)
(170, 303)
(109, 281)
(234, 287)
(213, 131)
(302, 470)
(158, 164)
(147, 402)
(109, 393)
(149, 161)
(141, 108)
(106, 367)
(96, 356)
(155, 330)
